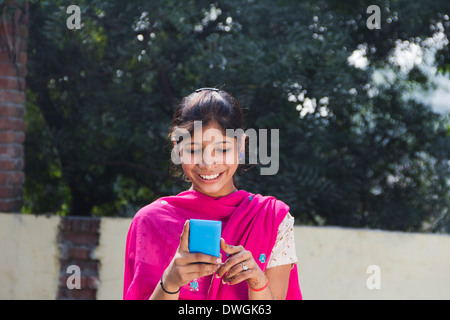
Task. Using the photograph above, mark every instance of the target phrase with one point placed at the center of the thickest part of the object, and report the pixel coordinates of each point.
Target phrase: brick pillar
(13, 58)
(78, 237)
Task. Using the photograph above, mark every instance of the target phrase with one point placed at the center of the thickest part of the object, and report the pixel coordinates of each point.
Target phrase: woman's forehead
(207, 137)
(212, 130)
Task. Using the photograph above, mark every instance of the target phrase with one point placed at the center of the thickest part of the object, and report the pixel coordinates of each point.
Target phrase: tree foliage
(353, 151)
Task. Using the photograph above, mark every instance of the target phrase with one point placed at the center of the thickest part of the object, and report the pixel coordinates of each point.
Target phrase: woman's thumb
(184, 239)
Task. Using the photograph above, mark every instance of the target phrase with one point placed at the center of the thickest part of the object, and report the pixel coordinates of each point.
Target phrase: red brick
(8, 69)
(23, 57)
(11, 110)
(79, 238)
(14, 96)
(12, 83)
(8, 25)
(83, 294)
(23, 31)
(86, 282)
(12, 137)
(12, 178)
(78, 253)
(92, 282)
(23, 45)
(11, 151)
(8, 205)
(9, 123)
(81, 224)
(87, 267)
(4, 56)
(89, 225)
(10, 192)
(76, 294)
(11, 164)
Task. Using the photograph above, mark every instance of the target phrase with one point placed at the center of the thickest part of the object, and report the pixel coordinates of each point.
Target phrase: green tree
(352, 152)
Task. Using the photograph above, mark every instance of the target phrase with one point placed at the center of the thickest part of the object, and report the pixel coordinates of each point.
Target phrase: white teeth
(210, 177)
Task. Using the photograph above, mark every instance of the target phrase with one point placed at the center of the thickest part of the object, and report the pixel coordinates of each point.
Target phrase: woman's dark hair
(207, 105)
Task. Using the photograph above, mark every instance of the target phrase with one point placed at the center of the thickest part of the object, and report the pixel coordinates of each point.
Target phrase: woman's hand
(185, 265)
(240, 266)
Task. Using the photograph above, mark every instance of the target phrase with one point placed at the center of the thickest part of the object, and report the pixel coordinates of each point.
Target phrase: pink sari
(247, 219)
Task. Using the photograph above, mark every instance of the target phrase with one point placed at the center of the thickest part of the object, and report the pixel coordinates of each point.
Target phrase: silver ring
(244, 267)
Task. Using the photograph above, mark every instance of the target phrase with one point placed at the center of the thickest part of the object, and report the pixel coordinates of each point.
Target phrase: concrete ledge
(333, 262)
(111, 253)
(29, 265)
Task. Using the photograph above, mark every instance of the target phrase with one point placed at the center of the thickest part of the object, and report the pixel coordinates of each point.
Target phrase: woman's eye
(224, 150)
(198, 151)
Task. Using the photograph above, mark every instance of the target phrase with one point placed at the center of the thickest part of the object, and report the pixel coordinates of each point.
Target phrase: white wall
(111, 253)
(332, 261)
(29, 267)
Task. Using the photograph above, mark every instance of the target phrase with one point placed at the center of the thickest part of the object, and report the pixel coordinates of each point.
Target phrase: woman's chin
(211, 190)
(214, 189)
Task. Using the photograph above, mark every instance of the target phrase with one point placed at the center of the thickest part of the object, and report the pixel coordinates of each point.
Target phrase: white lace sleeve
(284, 250)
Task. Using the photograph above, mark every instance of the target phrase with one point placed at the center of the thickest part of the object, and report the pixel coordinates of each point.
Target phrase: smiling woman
(205, 116)
(210, 164)
(215, 177)
(260, 263)
(221, 149)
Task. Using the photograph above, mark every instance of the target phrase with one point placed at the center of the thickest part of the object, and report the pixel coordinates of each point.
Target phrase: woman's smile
(210, 165)
(210, 178)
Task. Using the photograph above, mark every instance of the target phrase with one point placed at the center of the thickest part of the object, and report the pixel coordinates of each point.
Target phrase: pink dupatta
(153, 238)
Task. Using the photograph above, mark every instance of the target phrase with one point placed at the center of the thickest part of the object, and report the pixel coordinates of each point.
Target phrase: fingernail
(217, 276)
(224, 282)
(219, 260)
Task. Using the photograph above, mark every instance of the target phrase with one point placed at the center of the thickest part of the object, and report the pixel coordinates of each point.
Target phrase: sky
(407, 55)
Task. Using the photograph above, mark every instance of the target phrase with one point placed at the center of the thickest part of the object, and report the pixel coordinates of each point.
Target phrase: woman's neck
(233, 189)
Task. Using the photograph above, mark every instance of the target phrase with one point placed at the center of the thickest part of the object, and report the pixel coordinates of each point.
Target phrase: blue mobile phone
(204, 236)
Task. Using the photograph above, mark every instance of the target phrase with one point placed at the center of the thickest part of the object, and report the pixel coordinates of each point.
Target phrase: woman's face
(210, 160)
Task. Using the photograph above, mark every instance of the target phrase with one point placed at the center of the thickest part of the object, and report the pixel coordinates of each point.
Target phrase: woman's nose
(208, 157)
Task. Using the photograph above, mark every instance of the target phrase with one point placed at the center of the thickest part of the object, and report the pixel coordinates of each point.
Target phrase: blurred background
(363, 115)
